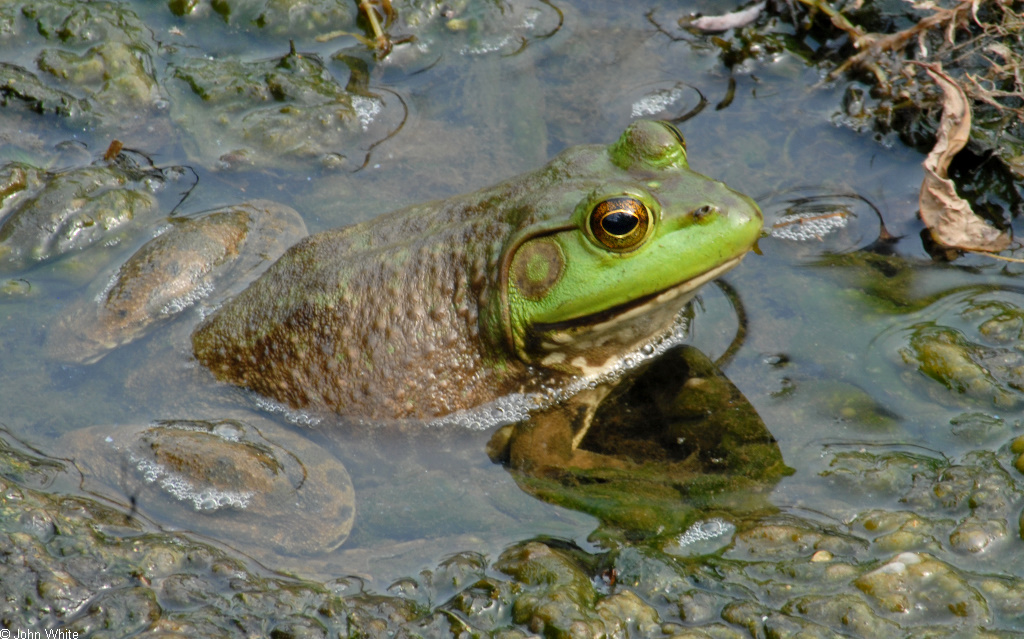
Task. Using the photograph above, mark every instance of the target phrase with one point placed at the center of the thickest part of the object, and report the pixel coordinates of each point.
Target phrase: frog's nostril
(704, 211)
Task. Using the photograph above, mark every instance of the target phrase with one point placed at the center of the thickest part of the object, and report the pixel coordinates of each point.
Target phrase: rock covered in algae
(924, 586)
(286, 17)
(564, 602)
(94, 63)
(75, 563)
(224, 479)
(23, 89)
(219, 250)
(45, 215)
(264, 112)
(112, 74)
(964, 506)
(968, 369)
(970, 348)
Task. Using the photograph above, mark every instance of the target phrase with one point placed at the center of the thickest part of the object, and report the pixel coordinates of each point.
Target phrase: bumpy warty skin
(382, 320)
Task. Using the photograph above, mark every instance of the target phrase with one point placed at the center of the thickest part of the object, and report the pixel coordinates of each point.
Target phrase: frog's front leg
(552, 436)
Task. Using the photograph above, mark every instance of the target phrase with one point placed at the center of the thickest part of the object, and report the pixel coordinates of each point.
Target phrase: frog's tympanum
(518, 287)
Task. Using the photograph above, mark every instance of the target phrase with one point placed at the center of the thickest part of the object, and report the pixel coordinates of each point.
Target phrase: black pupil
(619, 223)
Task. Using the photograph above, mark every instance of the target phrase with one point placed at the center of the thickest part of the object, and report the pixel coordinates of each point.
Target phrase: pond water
(891, 384)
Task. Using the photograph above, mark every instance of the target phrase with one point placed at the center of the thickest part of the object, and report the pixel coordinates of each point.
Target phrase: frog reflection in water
(524, 286)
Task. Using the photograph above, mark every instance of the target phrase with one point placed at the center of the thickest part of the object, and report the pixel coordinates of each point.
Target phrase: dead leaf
(112, 150)
(948, 216)
(727, 21)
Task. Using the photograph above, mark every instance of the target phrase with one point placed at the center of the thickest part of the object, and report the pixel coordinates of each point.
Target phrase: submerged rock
(93, 64)
(45, 215)
(220, 250)
(280, 493)
(925, 588)
(266, 112)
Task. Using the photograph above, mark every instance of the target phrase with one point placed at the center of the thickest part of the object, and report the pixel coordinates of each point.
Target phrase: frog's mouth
(641, 305)
(600, 338)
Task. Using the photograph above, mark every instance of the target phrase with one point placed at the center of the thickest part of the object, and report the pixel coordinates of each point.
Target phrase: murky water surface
(891, 384)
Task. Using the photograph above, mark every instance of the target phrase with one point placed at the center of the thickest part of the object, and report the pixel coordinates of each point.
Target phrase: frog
(543, 279)
(533, 287)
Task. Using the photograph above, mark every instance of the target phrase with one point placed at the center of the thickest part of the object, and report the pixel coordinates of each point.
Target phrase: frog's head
(627, 238)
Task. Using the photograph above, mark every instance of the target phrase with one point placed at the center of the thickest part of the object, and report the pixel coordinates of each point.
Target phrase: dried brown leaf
(955, 126)
(948, 216)
(112, 150)
(727, 21)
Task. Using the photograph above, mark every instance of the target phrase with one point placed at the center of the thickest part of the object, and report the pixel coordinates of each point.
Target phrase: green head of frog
(451, 304)
(612, 267)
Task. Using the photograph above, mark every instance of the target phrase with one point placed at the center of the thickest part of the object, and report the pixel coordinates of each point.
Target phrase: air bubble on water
(160, 230)
(514, 38)
(530, 19)
(678, 334)
(705, 531)
(297, 417)
(228, 431)
(489, 46)
(504, 410)
(366, 110)
(179, 304)
(517, 406)
(807, 229)
(153, 185)
(101, 297)
(150, 471)
(197, 427)
(656, 102)
(179, 487)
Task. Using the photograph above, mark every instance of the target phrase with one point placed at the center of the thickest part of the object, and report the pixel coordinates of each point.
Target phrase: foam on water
(705, 531)
(656, 102)
(517, 406)
(179, 304)
(810, 228)
(297, 417)
(504, 42)
(488, 46)
(207, 499)
(101, 297)
(366, 110)
(530, 17)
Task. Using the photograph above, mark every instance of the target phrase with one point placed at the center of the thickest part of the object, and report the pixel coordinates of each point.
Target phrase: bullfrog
(524, 286)
(536, 286)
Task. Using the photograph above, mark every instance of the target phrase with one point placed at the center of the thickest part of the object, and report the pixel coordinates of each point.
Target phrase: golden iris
(620, 223)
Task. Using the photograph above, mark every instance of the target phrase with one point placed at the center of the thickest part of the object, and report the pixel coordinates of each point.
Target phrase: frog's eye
(676, 133)
(620, 223)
